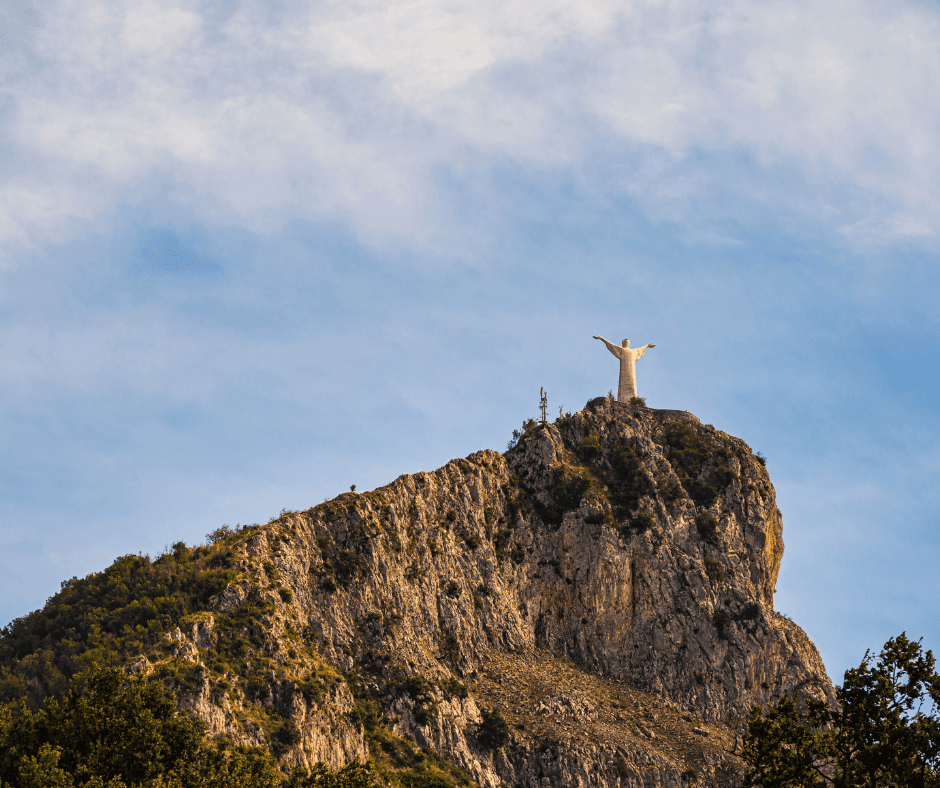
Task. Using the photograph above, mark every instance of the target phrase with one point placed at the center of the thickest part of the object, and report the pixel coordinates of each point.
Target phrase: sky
(252, 253)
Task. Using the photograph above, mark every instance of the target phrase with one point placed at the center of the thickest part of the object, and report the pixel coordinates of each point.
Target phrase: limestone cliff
(606, 586)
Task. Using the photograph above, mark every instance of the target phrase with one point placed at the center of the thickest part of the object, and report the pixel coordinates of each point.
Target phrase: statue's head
(625, 343)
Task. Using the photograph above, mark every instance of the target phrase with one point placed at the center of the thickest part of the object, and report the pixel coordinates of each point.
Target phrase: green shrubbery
(673, 491)
(396, 760)
(707, 526)
(591, 447)
(124, 731)
(503, 535)
(353, 775)
(413, 572)
(493, 730)
(568, 488)
(454, 688)
(689, 450)
(639, 524)
(422, 694)
(883, 731)
(450, 648)
(622, 483)
(528, 426)
(488, 519)
(714, 571)
(630, 482)
(470, 539)
(107, 618)
(346, 565)
(722, 619)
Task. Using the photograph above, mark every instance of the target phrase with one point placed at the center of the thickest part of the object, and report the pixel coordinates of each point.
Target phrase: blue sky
(252, 253)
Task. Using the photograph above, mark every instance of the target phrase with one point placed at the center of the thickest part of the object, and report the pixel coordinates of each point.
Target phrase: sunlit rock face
(606, 585)
(666, 566)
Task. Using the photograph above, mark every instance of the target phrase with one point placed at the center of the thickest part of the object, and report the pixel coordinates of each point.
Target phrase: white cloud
(36, 211)
(346, 110)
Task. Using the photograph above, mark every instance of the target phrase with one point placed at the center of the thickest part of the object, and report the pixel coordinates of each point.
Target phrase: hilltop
(593, 607)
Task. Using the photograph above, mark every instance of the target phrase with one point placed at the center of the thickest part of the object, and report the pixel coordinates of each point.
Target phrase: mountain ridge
(630, 553)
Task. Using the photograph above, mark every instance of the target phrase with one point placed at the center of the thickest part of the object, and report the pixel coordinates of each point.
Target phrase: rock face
(605, 587)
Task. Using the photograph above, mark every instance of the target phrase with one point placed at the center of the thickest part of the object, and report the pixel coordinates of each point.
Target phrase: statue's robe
(628, 356)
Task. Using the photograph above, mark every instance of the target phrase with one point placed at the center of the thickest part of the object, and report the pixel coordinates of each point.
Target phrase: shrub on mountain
(689, 451)
(124, 731)
(106, 618)
(493, 730)
(120, 731)
(353, 775)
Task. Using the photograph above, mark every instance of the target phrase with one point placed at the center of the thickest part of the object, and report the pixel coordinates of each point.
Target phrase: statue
(626, 389)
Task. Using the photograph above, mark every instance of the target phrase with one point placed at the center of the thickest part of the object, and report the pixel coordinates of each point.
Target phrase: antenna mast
(543, 404)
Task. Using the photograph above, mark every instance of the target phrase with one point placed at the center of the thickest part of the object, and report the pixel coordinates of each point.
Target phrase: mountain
(592, 608)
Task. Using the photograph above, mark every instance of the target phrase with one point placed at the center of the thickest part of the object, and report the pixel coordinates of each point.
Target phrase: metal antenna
(543, 404)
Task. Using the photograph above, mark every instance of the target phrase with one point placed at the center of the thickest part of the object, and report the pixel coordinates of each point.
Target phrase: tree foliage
(493, 730)
(106, 618)
(120, 732)
(884, 733)
(124, 732)
(353, 775)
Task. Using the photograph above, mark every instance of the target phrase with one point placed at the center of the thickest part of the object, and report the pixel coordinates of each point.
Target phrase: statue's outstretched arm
(615, 349)
(641, 350)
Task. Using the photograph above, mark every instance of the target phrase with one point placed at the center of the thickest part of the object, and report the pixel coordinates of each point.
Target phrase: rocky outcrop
(606, 587)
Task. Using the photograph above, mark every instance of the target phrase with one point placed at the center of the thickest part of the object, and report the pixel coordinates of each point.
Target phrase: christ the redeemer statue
(627, 386)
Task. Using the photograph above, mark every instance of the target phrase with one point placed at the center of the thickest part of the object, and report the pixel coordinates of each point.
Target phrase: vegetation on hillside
(70, 717)
(395, 760)
(124, 731)
(59, 677)
(616, 473)
(107, 618)
(690, 453)
(885, 732)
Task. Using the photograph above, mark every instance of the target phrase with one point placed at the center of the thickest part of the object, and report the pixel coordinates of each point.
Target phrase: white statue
(627, 386)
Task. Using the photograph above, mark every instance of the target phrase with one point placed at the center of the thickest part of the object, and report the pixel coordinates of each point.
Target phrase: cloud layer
(354, 112)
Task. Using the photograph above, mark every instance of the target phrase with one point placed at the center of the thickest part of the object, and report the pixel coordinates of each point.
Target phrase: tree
(124, 731)
(883, 733)
(121, 732)
(493, 730)
(353, 775)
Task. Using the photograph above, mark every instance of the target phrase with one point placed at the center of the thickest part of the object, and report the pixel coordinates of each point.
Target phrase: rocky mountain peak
(593, 607)
(669, 534)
